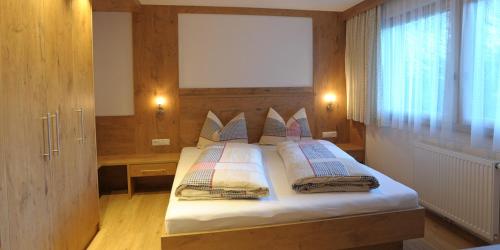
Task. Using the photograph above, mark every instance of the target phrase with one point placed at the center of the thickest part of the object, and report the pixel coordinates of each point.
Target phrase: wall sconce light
(160, 101)
(330, 99)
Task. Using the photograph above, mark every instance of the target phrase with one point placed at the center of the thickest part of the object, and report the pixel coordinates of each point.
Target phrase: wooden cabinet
(46, 79)
(356, 151)
(142, 165)
(141, 170)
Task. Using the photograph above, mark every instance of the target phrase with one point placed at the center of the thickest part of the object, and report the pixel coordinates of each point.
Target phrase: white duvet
(225, 171)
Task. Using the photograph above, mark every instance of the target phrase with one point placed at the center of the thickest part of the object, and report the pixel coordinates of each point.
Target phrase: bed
(382, 218)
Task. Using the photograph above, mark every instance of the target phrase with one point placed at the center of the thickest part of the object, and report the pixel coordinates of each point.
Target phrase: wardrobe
(48, 175)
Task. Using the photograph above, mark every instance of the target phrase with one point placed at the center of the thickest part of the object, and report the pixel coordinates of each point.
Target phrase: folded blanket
(225, 171)
(313, 167)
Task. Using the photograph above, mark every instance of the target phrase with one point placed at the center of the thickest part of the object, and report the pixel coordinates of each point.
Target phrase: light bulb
(160, 100)
(330, 98)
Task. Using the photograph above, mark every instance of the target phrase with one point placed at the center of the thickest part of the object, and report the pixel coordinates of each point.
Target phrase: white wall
(113, 64)
(232, 51)
(391, 151)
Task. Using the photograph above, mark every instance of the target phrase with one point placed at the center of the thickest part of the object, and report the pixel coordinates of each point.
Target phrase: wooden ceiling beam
(116, 5)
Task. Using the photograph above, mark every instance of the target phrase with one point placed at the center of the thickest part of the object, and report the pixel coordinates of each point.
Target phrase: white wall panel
(113, 64)
(232, 51)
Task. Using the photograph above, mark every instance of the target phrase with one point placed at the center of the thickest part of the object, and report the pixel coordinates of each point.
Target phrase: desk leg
(130, 183)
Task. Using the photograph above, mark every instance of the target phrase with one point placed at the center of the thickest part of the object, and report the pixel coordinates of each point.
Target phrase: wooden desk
(142, 165)
(356, 151)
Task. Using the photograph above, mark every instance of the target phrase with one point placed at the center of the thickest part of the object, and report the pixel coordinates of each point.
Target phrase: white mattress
(283, 205)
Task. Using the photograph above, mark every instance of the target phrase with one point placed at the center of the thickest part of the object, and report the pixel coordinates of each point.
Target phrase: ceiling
(326, 5)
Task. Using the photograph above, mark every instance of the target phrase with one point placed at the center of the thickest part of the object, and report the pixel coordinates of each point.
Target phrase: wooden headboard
(227, 103)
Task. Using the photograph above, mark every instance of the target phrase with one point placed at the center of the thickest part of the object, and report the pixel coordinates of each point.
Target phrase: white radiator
(461, 187)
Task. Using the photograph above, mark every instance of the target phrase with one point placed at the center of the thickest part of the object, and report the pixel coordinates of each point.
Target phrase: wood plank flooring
(137, 223)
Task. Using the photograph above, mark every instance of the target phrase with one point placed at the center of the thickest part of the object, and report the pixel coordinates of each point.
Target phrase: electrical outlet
(160, 142)
(329, 134)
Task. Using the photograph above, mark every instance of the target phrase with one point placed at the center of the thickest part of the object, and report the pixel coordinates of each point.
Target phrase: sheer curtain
(480, 72)
(437, 70)
(416, 64)
(361, 64)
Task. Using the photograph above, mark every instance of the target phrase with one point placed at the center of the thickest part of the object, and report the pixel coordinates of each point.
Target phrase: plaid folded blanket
(225, 171)
(313, 167)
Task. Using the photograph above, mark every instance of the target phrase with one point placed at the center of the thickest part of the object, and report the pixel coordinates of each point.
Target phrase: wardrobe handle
(49, 136)
(82, 129)
(58, 134)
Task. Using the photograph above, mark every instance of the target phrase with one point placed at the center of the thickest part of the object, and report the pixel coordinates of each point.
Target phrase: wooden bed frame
(385, 230)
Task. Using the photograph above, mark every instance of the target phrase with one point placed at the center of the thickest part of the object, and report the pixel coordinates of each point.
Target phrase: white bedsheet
(283, 205)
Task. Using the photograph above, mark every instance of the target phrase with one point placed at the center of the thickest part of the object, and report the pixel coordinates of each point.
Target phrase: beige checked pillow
(213, 131)
(276, 130)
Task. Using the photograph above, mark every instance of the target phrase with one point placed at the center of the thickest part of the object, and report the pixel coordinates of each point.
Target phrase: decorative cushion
(213, 131)
(276, 131)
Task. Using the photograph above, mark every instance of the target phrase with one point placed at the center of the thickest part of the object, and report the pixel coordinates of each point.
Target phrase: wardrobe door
(4, 243)
(86, 148)
(61, 86)
(75, 217)
(25, 172)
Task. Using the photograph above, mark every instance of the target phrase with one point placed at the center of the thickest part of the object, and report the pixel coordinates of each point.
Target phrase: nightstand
(356, 151)
(144, 165)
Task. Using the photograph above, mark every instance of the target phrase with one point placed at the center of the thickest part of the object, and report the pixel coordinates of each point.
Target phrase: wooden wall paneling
(155, 44)
(329, 74)
(23, 100)
(116, 135)
(116, 5)
(227, 103)
(244, 11)
(156, 72)
(234, 92)
(328, 53)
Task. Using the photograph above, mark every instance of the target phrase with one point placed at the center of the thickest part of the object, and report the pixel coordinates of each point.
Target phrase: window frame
(460, 124)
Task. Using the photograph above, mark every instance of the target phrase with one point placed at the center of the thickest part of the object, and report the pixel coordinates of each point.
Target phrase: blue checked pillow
(276, 130)
(214, 131)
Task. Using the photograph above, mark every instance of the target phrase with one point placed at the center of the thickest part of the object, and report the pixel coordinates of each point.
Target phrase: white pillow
(213, 131)
(276, 131)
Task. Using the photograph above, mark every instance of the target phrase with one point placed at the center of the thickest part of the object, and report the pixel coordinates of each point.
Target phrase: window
(440, 68)
(480, 64)
(418, 61)
(413, 64)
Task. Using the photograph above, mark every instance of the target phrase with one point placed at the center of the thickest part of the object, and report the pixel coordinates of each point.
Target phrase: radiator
(460, 187)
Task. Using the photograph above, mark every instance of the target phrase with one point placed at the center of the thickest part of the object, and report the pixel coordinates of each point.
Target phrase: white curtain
(437, 69)
(361, 61)
(416, 63)
(480, 71)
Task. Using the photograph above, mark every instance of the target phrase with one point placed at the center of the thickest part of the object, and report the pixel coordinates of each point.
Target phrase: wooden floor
(137, 223)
